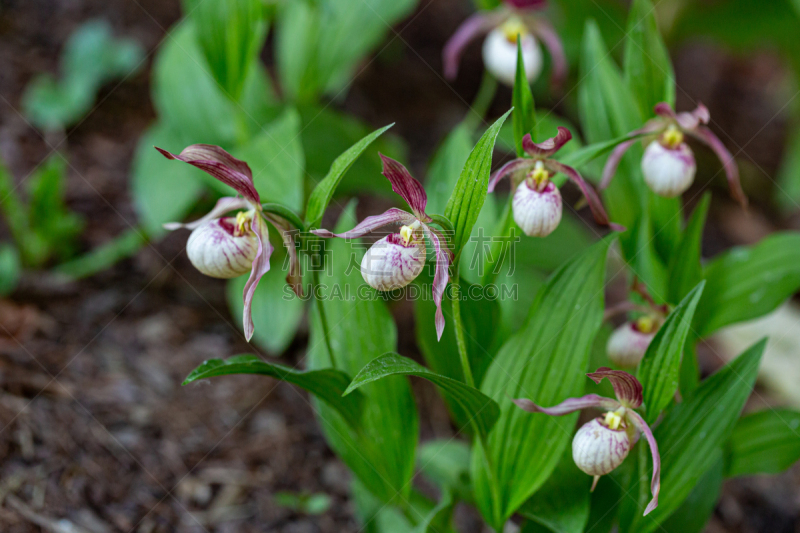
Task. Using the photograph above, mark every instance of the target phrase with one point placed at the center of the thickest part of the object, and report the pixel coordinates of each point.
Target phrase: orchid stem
(483, 99)
(491, 267)
(459, 327)
(323, 318)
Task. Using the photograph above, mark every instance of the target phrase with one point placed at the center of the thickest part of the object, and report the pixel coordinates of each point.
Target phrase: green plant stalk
(494, 261)
(483, 99)
(323, 318)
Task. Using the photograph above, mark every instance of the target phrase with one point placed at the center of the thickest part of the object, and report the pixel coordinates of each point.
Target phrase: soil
(96, 433)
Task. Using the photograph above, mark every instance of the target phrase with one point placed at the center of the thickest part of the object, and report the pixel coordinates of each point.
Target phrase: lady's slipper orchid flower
(602, 444)
(504, 25)
(668, 164)
(397, 259)
(537, 201)
(227, 247)
(629, 342)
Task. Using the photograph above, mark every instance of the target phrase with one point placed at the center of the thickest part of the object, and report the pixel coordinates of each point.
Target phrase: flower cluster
(537, 205)
(601, 444)
(668, 163)
(516, 19)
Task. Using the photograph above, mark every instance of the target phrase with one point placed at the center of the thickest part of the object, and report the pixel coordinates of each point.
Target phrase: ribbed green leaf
(545, 361)
(685, 270)
(766, 442)
(749, 282)
(659, 370)
(445, 462)
(438, 520)
(648, 70)
(470, 191)
(482, 410)
(382, 453)
(687, 438)
(694, 513)
(321, 195)
(328, 384)
(231, 34)
(524, 115)
(446, 166)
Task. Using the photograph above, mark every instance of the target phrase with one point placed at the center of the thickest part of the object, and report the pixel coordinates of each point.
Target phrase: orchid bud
(601, 445)
(668, 164)
(394, 261)
(629, 342)
(223, 247)
(537, 203)
(500, 52)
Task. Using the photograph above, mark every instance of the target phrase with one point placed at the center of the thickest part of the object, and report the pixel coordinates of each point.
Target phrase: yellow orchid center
(243, 219)
(407, 232)
(672, 137)
(646, 324)
(513, 27)
(539, 176)
(613, 419)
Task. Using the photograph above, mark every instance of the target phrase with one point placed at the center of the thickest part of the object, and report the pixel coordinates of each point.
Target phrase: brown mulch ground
(96, 433)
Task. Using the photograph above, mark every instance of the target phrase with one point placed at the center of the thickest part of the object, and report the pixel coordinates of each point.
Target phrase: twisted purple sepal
(260, 267)
(655, 483)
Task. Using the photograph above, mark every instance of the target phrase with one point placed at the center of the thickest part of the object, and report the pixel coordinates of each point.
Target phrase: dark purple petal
(440, 277)
(391, 216)
(469, 30)
(223, 206)
(526, 4)
(588, 191)
(404, 184)
(509, 168)
(219, 164)
(655, 483)
(690, 121)
(570, 405)
(731, 170)
(260, 267)
(626, 387)
(546, 148)
(548, 35)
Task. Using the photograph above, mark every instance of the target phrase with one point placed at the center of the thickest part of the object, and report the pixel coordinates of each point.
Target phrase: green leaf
(470, 191)
(693, 515)
(328, 384)
(323, 192)
(787, 193)
(445, 462)
(104, 256)
(659, 370)
(310, 504)
(562, 504)
(285, 213)
(277, 311)
(482, 410)
(10, 268)
(688, 436)
(685, 270)
(92, 57)
(438, 520)
(446, 166)
(231, 34)
(381, 454)
(587, 154)
(648, 70)
(749, 282)
(545, 361)
(766, 442)
(276, 158)
(163, 190)
(524, 117)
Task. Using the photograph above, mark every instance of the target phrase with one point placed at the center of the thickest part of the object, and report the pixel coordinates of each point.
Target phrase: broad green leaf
(644, 260)
(277, 311)
(766, 442)
(445, 462)
(694, 513)
(446, 166)
(328, 384)
(323, 192)
(10, 268)
(606, 499)
(231, 34)
(438, 520)
(688, 436)
(562, 504)
(381, 454)
(482, 410)
(163, 190)
(648, 70)
(685, 270)
(470, 191)
(276, 158)
(659, 370)
(377, 517)
(748, 282)
(481, 319)
(92, 57)
(524, 115)
(545, 362)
